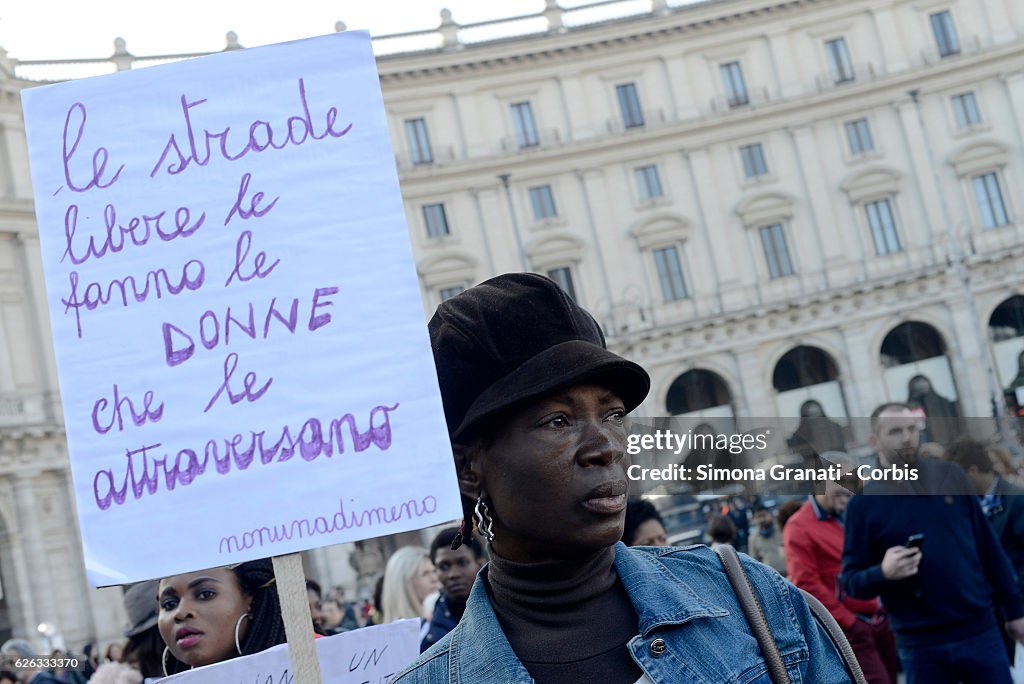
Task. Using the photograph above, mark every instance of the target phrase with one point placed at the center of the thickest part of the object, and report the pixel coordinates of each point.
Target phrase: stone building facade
(764, 202)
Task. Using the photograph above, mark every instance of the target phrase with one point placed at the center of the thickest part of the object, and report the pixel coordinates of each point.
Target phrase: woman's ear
(467, 468)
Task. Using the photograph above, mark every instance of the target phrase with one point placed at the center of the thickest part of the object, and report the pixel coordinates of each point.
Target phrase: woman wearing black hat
(535, 405)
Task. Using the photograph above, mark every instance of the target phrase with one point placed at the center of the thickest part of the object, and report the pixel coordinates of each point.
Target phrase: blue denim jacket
(682, 598)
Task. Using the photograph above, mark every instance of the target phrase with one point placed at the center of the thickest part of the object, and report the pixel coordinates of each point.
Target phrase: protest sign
(364, 656)
(243, 359)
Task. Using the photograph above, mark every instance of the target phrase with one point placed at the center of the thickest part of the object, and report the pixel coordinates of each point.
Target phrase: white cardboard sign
(244, 364)
(371, 655)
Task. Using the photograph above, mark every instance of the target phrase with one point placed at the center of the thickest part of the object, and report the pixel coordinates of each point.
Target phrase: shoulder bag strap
(754, 613)
(835, 632)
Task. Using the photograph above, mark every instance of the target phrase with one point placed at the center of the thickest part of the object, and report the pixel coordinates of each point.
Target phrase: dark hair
(721, 529)
(144, 651)
(638, 511)
(266, 626)
(378, 592)
(314, 586)
(446, 537)
(887, 406)
(786, 510)
(966, 452)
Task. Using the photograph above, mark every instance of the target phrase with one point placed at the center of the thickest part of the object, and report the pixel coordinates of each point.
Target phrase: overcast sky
(52, 29)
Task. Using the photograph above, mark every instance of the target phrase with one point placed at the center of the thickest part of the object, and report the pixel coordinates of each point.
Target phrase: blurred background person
(785, 511)
(349, 620)
(644, 526)
(457, 570)
(1001, 501)
(19, 648)
(315, 597)
(813, 540)
(721, 530)
(409, 578)
(765, 541)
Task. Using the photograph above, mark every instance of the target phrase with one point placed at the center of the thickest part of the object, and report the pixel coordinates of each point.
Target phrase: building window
(945, 34)
(735, 88)
(859, 134)
(419, 141)
(965, 108)
(839, 60)
(753, 160)
(449, 292)
(647, 182)
(629, 105)
(776, 252)
(543, 202)
(563, 276)
(883, 227)
(670, 273)
(526, 127)
(436, 220)
(990, 200)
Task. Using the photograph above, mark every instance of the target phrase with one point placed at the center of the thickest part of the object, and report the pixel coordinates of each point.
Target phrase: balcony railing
(969, 45)
(753, 97)
(649, 119)
(511, 144)
(27, 409)
(858, 73)
(439, 156)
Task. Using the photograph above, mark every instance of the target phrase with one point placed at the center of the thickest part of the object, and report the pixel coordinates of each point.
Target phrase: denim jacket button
(658, 647)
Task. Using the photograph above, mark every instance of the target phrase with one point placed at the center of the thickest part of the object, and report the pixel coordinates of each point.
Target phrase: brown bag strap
(835, 632)
(754, 613)
(755, 618)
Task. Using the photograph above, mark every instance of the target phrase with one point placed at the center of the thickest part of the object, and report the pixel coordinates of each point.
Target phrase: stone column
(40, 582)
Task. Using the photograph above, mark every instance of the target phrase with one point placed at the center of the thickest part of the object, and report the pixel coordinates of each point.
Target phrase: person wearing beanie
(535, 405)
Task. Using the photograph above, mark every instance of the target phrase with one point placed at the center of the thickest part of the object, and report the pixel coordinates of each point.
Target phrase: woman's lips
(607, 498)
(187, 638)
(606, 504)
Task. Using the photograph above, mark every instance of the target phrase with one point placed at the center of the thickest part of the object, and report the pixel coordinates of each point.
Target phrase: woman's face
(650, 533)
(554, 478)
(424, 582)
(198, 614)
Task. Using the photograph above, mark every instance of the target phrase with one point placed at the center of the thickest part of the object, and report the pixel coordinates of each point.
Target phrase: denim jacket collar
(479, 649)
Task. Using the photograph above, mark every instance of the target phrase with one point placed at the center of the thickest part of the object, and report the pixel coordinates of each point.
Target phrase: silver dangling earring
(484, 522)
(238, 646)
(163, 661)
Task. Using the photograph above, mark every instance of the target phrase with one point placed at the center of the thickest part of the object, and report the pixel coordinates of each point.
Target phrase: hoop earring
(483, 519)
(238, 646)
(163, 661)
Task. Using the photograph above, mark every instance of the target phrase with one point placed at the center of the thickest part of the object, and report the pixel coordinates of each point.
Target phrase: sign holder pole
(298, 622)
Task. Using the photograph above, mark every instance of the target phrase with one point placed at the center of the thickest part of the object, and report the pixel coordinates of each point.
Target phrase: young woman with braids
(535, 405)
(218, 614)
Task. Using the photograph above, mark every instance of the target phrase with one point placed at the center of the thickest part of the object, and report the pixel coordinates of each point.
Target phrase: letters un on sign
(243, 358)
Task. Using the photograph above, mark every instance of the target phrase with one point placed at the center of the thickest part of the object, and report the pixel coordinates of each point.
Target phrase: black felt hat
(518, 337)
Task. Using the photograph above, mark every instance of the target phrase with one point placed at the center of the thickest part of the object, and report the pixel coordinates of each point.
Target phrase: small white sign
(244, 363)
(371, 655)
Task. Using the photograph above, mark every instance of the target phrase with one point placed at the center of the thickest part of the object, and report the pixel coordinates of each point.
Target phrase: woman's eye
(205, 594)
(617, 415)
(557, 422)
(168, 604)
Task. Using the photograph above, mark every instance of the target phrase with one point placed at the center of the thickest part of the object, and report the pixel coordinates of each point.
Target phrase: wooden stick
(298, 623)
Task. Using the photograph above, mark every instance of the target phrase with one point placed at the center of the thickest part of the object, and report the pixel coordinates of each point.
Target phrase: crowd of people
(550, 546)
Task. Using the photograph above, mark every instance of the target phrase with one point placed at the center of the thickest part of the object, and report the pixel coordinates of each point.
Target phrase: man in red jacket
(813, 541)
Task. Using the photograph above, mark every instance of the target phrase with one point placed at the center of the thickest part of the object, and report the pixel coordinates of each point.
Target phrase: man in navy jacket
(941, 597)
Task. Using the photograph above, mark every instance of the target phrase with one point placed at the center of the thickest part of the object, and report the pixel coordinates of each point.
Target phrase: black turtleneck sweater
(568, 621)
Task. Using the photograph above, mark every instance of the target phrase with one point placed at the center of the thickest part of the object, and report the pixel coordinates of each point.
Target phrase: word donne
(180, 346)
(200, 144)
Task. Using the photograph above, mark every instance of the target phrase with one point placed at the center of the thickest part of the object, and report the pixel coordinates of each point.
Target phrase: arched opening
(810, 400)
(1006, 333)
(917, 372)
(700, 393)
